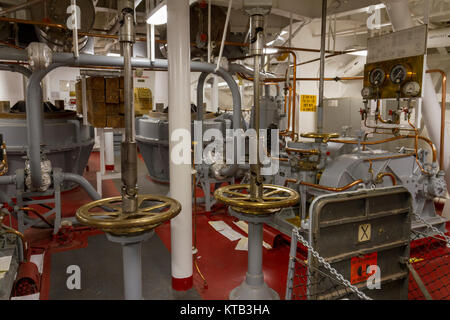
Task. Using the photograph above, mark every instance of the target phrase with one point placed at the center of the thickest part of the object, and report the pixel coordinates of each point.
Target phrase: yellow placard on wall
(308, 103)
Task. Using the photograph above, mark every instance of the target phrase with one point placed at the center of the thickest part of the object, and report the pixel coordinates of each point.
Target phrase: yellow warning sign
(308, 103)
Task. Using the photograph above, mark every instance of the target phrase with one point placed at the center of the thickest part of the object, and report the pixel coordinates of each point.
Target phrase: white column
(400, 17)
(178, 38)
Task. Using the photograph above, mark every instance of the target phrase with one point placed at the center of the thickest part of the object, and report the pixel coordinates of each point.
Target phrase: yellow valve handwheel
(273, 199)
(324, 136)
(152, 211)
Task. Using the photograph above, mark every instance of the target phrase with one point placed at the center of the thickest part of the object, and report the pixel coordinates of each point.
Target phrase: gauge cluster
(398, 78)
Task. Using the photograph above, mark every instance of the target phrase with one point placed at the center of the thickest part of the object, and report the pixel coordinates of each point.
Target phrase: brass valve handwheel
(324, 136)
(274, 198)
(152, 211)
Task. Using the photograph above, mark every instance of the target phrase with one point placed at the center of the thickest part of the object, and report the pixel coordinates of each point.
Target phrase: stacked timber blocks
(105, 99)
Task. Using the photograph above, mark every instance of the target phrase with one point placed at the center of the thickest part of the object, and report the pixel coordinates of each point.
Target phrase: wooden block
(115, 122)
(4, 106)
(97, 121)
(79, 97)
(94, 96)
(114, 109)
(112, 84)
(95, 83)
(121, 96)
(121, 82)
(112, 96)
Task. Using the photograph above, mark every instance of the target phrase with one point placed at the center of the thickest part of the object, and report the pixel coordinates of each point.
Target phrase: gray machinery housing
(152, 136)
(68, 143)
(337, 165)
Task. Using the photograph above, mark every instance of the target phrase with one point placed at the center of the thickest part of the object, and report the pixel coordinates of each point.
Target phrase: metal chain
(430, 226)
(333, 271)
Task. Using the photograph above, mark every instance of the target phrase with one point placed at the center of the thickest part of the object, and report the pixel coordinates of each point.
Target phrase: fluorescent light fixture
(112, 54)
(362, 53)
(270, 51)
(158, 15)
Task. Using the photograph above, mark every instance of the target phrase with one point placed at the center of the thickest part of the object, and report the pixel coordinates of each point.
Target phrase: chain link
(333, 271)
(433, 228)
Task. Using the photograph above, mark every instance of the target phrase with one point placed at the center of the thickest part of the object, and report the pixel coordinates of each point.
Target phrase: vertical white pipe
(224, 36)
(109, 149)
(152, 42)
(400, 17)
(178, 39)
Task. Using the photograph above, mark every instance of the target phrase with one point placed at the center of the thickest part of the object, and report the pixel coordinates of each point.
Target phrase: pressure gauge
(411, 89)
(398, 74)
(366, 92)
(377, 76)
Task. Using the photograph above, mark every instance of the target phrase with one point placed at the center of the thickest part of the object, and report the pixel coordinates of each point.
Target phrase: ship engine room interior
(204, 150)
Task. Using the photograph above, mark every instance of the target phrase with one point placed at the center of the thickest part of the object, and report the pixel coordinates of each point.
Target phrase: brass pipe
(380, 177)
(303, 151)
(40, 216)
(443, 107)
(340, 189)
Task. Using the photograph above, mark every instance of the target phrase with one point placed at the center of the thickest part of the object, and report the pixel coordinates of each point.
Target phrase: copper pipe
(289, 181)
(317, 79)
(36, 23)
(340, 189)
(403, 155)
(309, 50)
(443, 107)
(385, 128)
(433, 148)
(380, 177)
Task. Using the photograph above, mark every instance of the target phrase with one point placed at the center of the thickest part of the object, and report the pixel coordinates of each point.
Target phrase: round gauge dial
(398, 74)
(366, 92)
(411, 89)
(377, 76)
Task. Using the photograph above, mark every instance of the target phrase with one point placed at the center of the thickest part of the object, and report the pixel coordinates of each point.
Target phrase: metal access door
(353, 230)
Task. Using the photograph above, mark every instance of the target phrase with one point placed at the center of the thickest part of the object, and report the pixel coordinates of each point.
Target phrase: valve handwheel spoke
(274, 198)
(324, 136)
(147, 217)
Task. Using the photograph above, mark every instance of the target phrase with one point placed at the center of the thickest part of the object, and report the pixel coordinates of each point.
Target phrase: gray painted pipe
(34, 118)
(7, 180)
(255, 276)
(16, 68)
(200, 87)
(35, 122)
(72, 177)
(228, 171)
(132, 270)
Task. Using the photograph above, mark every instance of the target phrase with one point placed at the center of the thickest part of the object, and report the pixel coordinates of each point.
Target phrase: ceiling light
(158, 15)
(362, 53)
(270, 50)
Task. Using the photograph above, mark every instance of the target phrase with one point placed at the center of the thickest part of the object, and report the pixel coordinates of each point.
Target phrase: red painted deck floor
(223, 267)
